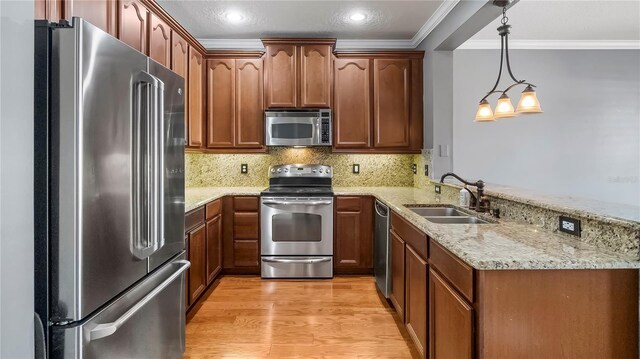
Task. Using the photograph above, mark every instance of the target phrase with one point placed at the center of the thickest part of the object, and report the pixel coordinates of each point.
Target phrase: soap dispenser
(465, 197)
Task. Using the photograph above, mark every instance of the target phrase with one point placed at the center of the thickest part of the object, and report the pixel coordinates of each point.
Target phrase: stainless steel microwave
(298, 127)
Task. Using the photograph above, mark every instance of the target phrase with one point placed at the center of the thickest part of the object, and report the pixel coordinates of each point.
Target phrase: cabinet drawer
(410, 234)
(193, 219)
(245, 253)
(213, 209)
(246, 204)
(246, 225)
(351, 204)
(458, 273)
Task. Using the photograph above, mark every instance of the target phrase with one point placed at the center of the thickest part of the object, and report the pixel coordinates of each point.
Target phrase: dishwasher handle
(381, 208)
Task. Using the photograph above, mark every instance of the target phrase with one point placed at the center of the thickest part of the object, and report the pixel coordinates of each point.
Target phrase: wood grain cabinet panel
(281, 79)
(249, 103)
(450, 322)
(392, 102)
(241, 234)
(416, 272)
(160, 41)
(101, 13)
(315, 76)
(180, 65)
(197, 257)
(133, 25)
(196, 95)
(353, 237)
(352, 103)
(221, 98)
(214, 248)
(397, 273)
(246, 253)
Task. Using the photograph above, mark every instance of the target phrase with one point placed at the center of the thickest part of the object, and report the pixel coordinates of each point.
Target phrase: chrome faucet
(481, 203)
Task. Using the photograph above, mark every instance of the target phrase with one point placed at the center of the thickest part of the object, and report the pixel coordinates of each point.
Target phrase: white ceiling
(566, 22)
(408, 21)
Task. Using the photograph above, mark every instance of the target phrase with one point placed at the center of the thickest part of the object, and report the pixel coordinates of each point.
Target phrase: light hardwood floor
(247, 317)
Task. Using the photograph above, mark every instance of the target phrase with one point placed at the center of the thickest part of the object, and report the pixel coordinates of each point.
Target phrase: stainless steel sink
(456, 220)
(437, 211)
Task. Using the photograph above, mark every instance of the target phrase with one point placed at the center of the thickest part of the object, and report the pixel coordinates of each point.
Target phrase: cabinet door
(352, 103)
(416, 299)
(221, 84)
(391, 102)
(214, 248)
(197, 257)
(249, 103)
(315, 76)
(196, 111)
(450, 321)
(101, 13)
(134, 20)
(353, 240)
(397, 273)
(160, 41)
(281, 76)
(187, 294)
(179, 65)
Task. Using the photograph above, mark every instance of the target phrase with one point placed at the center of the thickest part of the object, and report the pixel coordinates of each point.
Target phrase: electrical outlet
(438, 189)
(414, 168)
(426, 170)
(244, 168)
(356, 168)
(569, 225)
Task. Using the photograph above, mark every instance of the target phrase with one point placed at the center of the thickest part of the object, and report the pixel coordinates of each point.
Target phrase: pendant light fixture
(528, 103)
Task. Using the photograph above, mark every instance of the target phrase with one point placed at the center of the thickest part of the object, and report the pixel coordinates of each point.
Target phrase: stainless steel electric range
(297, 222)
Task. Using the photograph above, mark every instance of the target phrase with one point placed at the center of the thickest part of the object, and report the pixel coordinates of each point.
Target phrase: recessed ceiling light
(234, 16)
(357, 16)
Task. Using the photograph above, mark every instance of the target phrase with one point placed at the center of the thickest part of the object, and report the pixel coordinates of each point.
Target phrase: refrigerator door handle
(148, 148)
(107, 329)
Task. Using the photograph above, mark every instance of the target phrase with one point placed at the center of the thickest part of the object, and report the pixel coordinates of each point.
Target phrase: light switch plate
(244, 168)
(444, 150)
(356, 168)
(426, 170)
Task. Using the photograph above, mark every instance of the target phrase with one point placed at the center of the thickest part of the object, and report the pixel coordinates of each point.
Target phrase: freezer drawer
(147, 321)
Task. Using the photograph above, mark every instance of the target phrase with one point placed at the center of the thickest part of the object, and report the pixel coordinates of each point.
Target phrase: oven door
(293, 131)
(296, 226)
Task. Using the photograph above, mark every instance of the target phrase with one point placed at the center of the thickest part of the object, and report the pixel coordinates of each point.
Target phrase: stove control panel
(297, 170)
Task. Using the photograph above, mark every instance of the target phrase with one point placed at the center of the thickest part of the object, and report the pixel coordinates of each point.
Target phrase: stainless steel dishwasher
(382, 261)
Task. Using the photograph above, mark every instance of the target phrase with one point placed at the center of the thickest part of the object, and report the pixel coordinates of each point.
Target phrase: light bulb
(528, 103)
(484, 113)
(504, 107)
(357, 16)
(234, 17)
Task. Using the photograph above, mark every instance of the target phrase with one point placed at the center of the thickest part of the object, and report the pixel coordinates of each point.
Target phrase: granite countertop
(502, 245)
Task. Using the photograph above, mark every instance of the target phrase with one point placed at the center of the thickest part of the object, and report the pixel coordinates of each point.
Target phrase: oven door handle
(301, 261)
(301, 203)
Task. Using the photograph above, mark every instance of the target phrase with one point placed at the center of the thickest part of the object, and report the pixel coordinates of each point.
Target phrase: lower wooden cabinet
(450, 321)
(415, 318)
(197, 256)
(214, 248)
(397, 273)
(353, 235)
(241, 233)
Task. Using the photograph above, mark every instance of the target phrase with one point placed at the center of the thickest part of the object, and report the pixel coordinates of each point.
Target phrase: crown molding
(441, 12)
(232, 44)
(359, 44)
(553, 45)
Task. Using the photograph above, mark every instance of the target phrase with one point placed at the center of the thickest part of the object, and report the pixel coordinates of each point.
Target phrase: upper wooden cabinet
(352, 103)
(160, 41)
(235, 102)
(196, 95)
(378, 104)
(392, 102)
(133, 24)
(101, 13)
(298, 72)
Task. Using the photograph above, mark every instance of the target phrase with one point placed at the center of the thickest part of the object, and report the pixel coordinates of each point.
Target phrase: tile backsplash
(204, 170)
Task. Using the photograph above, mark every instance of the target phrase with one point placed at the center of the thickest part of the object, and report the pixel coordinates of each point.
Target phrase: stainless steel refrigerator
(109, 198)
